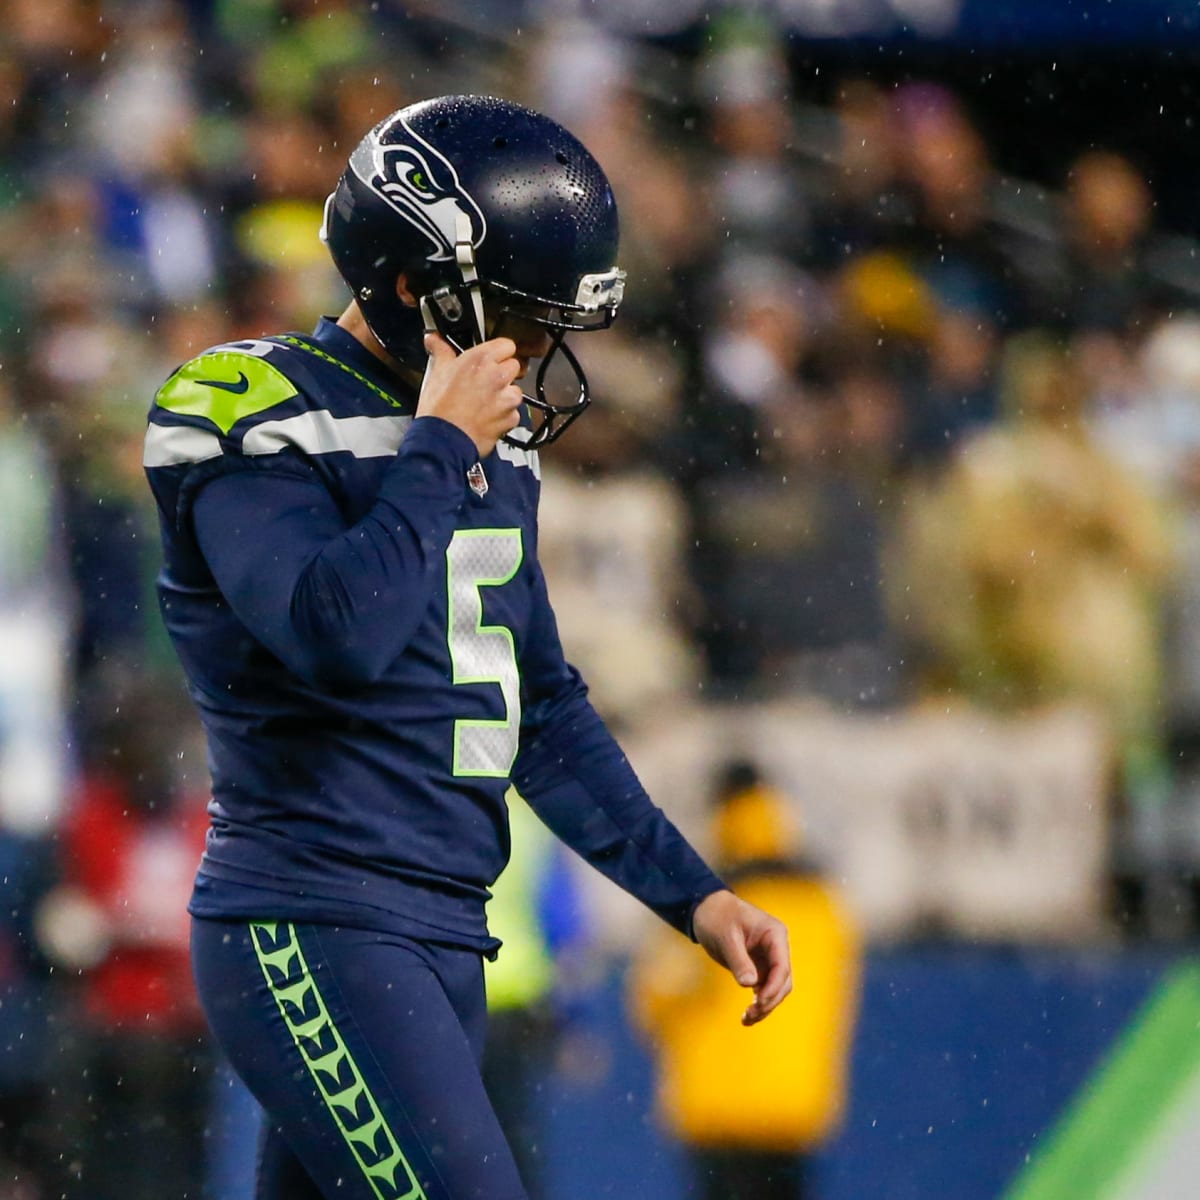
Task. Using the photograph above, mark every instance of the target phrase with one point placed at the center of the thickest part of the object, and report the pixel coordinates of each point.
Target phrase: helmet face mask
(452, 312)
(494, 214)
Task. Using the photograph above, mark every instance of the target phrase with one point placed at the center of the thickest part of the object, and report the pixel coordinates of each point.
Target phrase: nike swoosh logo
(237, 388)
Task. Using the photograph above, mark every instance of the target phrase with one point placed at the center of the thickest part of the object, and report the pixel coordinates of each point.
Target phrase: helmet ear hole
(404, 292)
(500, 143)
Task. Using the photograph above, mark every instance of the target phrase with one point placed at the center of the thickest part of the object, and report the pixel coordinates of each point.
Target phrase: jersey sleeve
(572, 772)
(336, 603)
(198, 425)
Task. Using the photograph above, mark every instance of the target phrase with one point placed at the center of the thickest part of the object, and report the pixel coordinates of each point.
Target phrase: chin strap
(443, 312)
(464, 254)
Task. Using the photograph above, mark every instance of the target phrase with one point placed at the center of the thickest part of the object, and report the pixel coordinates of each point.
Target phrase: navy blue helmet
(489, 209)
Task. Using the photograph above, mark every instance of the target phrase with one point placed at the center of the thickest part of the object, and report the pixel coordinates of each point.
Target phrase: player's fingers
(499, 348)
(758, 1008)
(737, 957)
(513, 397)
(771, 954)
(775, 967)
(776, 989)
(509, 369)
(437, 347)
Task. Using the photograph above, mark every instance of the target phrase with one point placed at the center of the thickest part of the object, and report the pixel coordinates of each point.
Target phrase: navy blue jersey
(359, 610)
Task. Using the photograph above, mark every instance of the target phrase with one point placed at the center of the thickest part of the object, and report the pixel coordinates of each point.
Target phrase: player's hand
(475, 390)
(752, 944)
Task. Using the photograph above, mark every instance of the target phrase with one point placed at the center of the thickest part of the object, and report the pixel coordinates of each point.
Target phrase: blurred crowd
(878, 424)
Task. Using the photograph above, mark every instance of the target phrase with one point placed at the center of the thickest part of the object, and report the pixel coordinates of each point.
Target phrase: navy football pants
(364, 1050)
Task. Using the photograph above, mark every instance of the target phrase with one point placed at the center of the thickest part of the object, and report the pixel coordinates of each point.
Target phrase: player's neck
(353, 322)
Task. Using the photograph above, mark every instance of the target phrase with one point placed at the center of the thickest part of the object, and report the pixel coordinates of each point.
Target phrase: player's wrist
(442, 436)
(705, 910)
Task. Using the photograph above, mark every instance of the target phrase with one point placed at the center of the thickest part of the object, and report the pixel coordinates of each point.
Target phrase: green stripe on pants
(333, 1069)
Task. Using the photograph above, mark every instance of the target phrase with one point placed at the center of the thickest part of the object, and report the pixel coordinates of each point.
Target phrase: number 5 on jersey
(475, 559)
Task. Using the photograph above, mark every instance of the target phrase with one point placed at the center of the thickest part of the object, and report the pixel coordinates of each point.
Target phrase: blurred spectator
(36, 615)
(594, 81)
(37, 610)
(620, 583)
(751, 1106)
(69, 271)
(1153, 425)
(130, 845)
(1034, 569)
(29, 1109)
(758, 353)
(13, 182)
(864, 206)
(145, 97)
(61, 46)
(141, 125)
(1148, 417)
(1106, 224)
(308, 47)
(88, 363)
(956, 394)
(788, 455)
(1105, 271)
(360, 94)
(279, 210)
(938, 343)
(756, 189)
(952, 240)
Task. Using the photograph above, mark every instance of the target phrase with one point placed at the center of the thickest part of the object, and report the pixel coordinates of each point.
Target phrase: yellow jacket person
(760, 1098)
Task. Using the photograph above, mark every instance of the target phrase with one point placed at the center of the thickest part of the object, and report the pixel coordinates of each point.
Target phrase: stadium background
(911, 348)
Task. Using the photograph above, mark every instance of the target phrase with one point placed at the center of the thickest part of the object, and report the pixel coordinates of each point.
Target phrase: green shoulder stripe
(225, 386)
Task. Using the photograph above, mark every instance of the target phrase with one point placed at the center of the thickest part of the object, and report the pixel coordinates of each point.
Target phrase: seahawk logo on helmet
(422, 186)
(492, 212)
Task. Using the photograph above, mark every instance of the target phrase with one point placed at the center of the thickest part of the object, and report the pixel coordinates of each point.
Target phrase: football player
(351, 582)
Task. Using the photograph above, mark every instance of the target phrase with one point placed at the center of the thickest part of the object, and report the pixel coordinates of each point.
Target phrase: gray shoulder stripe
(319, 432)
(518, 455)
(170, 445)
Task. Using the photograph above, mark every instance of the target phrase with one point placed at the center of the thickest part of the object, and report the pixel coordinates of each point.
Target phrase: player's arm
(574, 775)
(335, 603)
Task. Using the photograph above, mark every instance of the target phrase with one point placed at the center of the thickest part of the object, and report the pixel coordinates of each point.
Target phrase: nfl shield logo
(478, 480)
